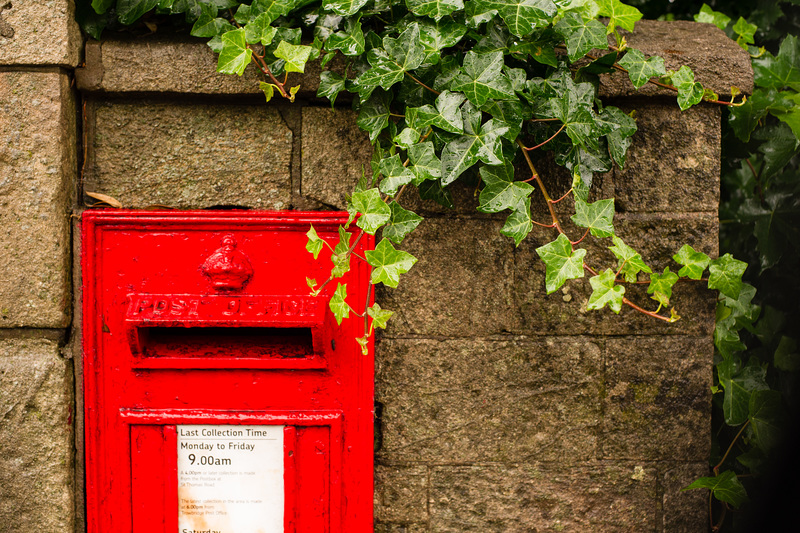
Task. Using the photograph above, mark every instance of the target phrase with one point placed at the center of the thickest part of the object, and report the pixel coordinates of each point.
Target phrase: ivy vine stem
(542, 188)
(262, 65)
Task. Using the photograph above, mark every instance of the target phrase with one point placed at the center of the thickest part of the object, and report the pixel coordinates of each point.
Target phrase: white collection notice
(230, 479)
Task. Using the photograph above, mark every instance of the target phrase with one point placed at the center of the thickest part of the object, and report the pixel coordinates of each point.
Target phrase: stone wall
(501, 408)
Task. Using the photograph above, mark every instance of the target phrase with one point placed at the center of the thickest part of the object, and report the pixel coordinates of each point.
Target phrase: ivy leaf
(350, 41)
(765, 418)
(294, 55)
(446, 115)
(129, 11)
(395, 175)
(641, 69)
(271, 8)
(374, 211)
(725, 275)
(581, 35)
(373, 116)
(598, 216)
(619, 140)
(379, 316)
(630, 262)
(694, 263)
(406, 138)
(661, 286)
(338, 305)
(436, 9)
(401, 223)
(436, 36)
(709, 16)
(388, 263)
(208, 24)
(390, 64)
(330, 85)
(783, 70)
(561, 262)
(481, 78)
(689, 91)
(573, 107)
(314, 244)
(433, 190)
(521, 16)
(742, 310)
(343, 8)
(501, 191)
(739, 385)
(424, 163)
(260, 31)
(745, 31)
(744, 118)
(606, 292)
(464, 151)
(235, 56)
(725, 487)
(341, 256)
(618, 15)
(519, 223)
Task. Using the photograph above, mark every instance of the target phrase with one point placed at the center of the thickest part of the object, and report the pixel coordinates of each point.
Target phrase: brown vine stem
(565, 195)
(548, 140)
(542, 188)
(645, 311)
(422, 84)
(265, 69)
(728, 451)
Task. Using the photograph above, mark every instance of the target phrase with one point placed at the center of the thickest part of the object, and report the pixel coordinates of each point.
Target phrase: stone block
(401, 495)
(461, 284)
(335, 153)
(658, 399)
(594, 497)
(36, 480)
(190, 156)
(37, 172)
(673, 164)
(684, 512)
(718, 62)
(40, 32)
(657, 238)
(457, 401)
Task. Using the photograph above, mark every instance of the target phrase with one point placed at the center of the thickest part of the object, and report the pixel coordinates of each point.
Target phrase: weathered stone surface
(161, 64)
(658, 398)
(35, 438)
(335, 154)
(190, 156)
(42, 32)
(718, 62)
(37, 172)
(594, 497)
(457, 401)
(684, 512)
(461, 284)
(657, 238)
(401, 496)
(673, 164)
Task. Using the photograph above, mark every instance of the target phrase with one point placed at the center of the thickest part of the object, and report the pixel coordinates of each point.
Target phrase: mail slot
(219, 395)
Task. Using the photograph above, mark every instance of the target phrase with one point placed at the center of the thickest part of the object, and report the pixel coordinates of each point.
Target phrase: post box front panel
(175, 343)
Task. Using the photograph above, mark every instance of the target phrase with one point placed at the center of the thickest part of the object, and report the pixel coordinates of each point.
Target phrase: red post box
(220, 396)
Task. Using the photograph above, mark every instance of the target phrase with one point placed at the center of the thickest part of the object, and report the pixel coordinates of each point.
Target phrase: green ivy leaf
(436, 9)
(739, 385)
(374, 211)
(581, 35)
(501, 191)
(766, 418)
(272, 8)
(390, 64)
(641, 69)
(689, 91)
(521, 16)
(725, 487)
(341, 254)
(661, 286)
(561, 262)
(598, 217)
(295, 56)
(388, 263)
(350, 41)
(330, 85)
(401, 223)
(379, 316)
(618, 15)
(438, 35)
(424, 163)
(446, 115)
(395, 175)
(709, 16)
(260, 31)
(783, 70)
(235, 56)
(694, 263)
(619, 140)
(746, 32)
(481, 78)
(787, 357)
(373, 116)
(129, 11)
(725, 275)
(606, 292)
(519, 223)
(338, 305)
(630, 262)
(314, 244)
(208, 24)
(464, 151)
(343, 8)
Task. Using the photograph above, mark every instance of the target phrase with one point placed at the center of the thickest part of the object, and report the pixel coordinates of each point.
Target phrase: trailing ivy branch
(452, 90)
